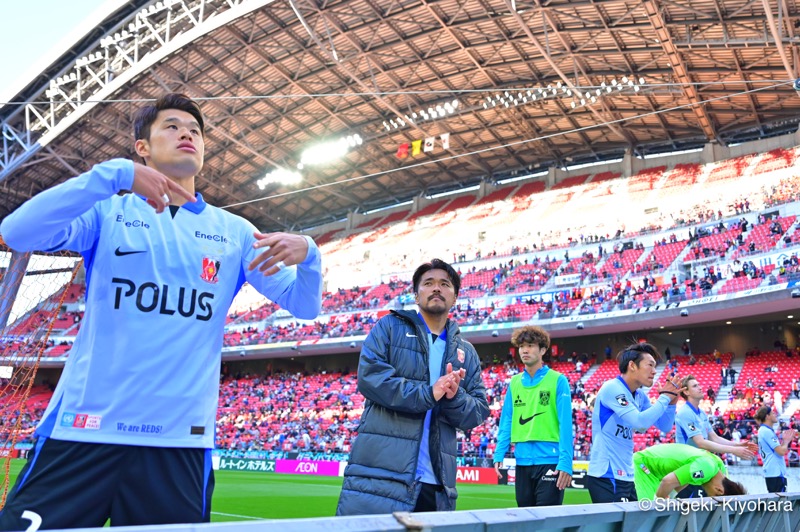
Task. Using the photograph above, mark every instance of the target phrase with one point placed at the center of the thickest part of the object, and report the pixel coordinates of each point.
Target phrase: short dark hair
(436, 264)
(762, 413)
(173, 100)
(732, 488)
(531, 334)
(634, 353)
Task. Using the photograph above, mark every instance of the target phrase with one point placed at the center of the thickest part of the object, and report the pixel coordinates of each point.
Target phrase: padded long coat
(394, 377)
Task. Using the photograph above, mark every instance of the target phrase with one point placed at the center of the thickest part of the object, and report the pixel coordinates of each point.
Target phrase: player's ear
(142, 148)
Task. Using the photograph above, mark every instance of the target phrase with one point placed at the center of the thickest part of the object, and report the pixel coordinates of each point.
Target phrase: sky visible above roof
(35, 32)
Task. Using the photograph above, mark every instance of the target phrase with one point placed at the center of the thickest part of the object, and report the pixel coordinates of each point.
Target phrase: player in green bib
(537, 419)
(672, 466)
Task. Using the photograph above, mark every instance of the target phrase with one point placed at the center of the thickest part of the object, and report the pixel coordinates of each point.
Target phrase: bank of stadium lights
(329, 151)
(315, 155)
(578, 97)
(428, 114)
(281, 176)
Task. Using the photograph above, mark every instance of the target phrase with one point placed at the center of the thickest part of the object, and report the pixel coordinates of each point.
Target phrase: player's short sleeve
(699, 471)
(770, 439)
(616, 398)
(688, 423)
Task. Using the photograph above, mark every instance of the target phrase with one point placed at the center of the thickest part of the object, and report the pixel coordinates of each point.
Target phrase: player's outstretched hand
(750, 445)
(564, 480)
(157, 188)
(745, 453)
(280, 250)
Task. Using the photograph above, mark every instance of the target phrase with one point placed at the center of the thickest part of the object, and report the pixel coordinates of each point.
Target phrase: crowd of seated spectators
(319, 411)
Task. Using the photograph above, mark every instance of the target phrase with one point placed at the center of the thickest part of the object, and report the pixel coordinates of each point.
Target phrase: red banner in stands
(13, 453)
(476, 475)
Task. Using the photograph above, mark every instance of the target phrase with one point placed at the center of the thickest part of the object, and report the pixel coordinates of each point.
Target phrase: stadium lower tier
(319, 412)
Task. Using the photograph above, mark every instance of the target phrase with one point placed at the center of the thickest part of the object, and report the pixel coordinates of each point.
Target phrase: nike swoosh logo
(523, 420)
(409, 335)
(119, 253)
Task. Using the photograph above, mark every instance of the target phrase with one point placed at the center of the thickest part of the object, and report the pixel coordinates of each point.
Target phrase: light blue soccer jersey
(144, 368)
(774, 465)
(690, 422)
(617, 414)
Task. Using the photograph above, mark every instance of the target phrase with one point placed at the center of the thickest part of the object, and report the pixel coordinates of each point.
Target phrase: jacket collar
(413, 317)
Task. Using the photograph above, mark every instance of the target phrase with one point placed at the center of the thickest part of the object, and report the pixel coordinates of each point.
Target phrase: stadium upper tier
(531, 217)
(588, 246)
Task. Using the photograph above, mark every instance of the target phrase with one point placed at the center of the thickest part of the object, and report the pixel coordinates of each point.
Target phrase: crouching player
(660, 469)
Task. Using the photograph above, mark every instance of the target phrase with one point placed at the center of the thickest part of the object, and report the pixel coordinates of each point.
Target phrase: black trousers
(427, 498)
(536, 486)
(82, 485)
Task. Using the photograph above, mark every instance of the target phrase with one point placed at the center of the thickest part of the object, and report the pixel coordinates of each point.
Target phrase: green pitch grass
(247, 495)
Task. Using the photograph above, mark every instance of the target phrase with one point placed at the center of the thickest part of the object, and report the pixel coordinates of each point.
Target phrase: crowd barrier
(764, 513)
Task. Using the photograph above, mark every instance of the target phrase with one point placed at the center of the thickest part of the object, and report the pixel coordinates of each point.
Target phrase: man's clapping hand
(447, 385)
(455, 382)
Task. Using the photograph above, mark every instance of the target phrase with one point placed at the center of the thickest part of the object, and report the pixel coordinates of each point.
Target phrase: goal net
(41, 306)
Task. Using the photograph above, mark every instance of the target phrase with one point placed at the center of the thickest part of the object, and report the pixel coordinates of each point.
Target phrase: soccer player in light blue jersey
(620, 409)
(693, 428)
(773, 450)
(128, 433)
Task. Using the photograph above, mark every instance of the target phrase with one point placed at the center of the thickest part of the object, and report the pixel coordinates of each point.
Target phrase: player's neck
(694, 402)
(436, 322)
(187, 182)
(531, 370)
(633, 385)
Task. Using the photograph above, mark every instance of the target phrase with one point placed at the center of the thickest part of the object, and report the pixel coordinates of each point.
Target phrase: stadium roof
(279, 76)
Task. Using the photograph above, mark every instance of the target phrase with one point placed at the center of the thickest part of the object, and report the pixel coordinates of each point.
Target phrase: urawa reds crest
(210, 270)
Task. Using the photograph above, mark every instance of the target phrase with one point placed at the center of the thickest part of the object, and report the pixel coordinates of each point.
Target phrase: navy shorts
(776, 484)
(691, 492)
(81, 485)
(610, 490)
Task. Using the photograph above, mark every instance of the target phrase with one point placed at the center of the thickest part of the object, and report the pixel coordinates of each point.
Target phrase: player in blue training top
(620, 409)
(537, 418)
(692, 428)
(128, 433)
(773, 450)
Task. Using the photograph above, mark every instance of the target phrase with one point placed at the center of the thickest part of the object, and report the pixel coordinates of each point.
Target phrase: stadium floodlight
(281, 176)
(326, 152)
